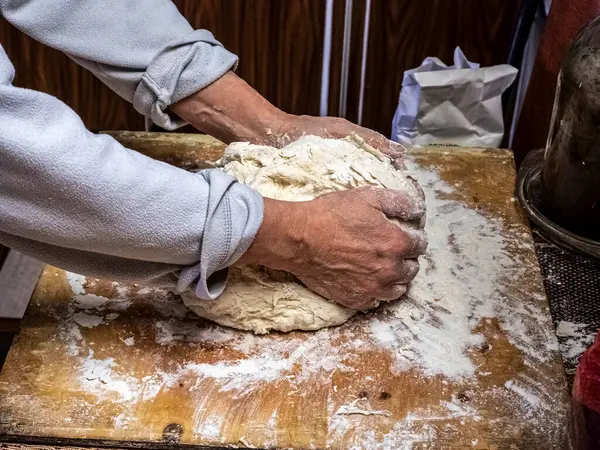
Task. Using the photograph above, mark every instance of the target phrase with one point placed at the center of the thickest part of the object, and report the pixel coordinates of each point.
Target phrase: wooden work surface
(138, 368)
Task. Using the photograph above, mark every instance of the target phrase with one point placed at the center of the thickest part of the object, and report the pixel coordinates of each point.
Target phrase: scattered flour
(402, 436)
(271, 359)
(574, 339)
(171, 331)
(122, 421)
(526, 394)
(354, 408)
(129, 341)
(460, 275)
(87, 320)
(209, 430)
(98, 377)
(90, 301)
(76, 282)
(431, 332)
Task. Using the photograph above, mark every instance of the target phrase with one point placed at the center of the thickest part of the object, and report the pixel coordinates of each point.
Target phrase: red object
(584, 429)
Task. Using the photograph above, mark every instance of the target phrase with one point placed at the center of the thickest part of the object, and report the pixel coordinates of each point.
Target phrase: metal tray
(529, 192)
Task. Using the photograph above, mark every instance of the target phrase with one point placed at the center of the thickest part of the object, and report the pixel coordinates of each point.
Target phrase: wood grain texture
(404, 32)
(279, 44)
(150, 374)
(188, 151)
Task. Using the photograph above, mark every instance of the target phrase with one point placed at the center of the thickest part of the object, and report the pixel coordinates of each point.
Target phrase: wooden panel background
(403, 32)
(280, 48)
(279, 44)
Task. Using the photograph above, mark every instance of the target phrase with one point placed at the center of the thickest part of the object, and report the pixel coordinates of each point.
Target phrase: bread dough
(260, 299)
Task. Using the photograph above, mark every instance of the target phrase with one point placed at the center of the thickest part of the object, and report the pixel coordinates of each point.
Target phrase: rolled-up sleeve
(85, 203)
(145, 51)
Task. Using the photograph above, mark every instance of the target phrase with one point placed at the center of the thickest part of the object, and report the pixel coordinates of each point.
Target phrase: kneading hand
(342, 245)
(292, 127)
(231, 110)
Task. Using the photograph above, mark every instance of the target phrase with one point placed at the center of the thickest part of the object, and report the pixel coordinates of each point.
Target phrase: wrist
(279, 242)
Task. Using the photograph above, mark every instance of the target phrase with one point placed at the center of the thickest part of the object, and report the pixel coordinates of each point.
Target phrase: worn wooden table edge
(186, 143)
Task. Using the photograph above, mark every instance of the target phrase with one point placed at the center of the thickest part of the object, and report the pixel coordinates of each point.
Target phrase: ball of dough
(260, 299)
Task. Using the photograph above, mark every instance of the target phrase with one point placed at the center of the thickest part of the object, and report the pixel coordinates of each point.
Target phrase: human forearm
(77, 199)
(231, 110)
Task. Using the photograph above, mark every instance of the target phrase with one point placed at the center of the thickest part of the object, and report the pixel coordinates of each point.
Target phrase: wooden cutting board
(468, 360)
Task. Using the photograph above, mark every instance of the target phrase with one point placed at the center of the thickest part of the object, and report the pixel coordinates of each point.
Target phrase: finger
(394, 292)
(376, 140)
(414, 242)
(393, 149)
(421, 196)
(398, 205)
(408, 270)
(357, 301)
(422, 222)
(380, 142)
(405, 271)
(359, 304)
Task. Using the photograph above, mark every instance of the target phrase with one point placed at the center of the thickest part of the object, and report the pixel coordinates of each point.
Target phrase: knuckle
(415, 208)
(402, 242)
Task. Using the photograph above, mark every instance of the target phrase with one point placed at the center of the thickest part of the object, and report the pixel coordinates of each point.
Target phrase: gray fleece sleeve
(145, 51)
(85, 203)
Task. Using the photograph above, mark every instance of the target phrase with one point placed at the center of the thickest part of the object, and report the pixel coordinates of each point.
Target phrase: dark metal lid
(529, 192)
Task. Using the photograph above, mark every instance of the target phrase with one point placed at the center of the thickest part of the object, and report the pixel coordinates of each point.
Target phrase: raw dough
(260, 299)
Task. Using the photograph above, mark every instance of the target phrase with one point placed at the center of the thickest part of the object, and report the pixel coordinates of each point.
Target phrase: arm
(123, 218)
(153, 58)
(145, 51)
(84, 202)
(231, 110)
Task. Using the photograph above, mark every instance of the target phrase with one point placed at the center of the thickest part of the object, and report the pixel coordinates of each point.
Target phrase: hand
(342, 245)
(230, 110)
(293, 127)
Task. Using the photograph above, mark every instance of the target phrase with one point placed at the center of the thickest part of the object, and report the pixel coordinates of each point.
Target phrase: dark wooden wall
(565, 20)
(280, 47)
(403, 33)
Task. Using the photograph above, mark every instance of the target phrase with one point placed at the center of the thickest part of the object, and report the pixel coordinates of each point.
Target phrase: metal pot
(571, 170)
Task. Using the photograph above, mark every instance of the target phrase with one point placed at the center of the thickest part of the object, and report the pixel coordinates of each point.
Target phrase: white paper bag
(457, 105)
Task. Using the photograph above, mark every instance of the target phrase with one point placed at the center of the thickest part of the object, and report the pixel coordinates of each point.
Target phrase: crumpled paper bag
(457, 105)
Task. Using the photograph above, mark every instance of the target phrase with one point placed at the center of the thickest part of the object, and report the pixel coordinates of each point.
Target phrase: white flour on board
(430, 332)
(87, 320)
(76, 282)
(356, 408)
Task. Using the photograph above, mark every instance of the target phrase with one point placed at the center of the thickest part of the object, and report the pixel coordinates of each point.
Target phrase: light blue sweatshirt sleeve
(85, 203)
(145, 51)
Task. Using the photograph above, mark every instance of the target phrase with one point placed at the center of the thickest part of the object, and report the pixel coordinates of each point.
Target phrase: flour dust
(431, 332)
